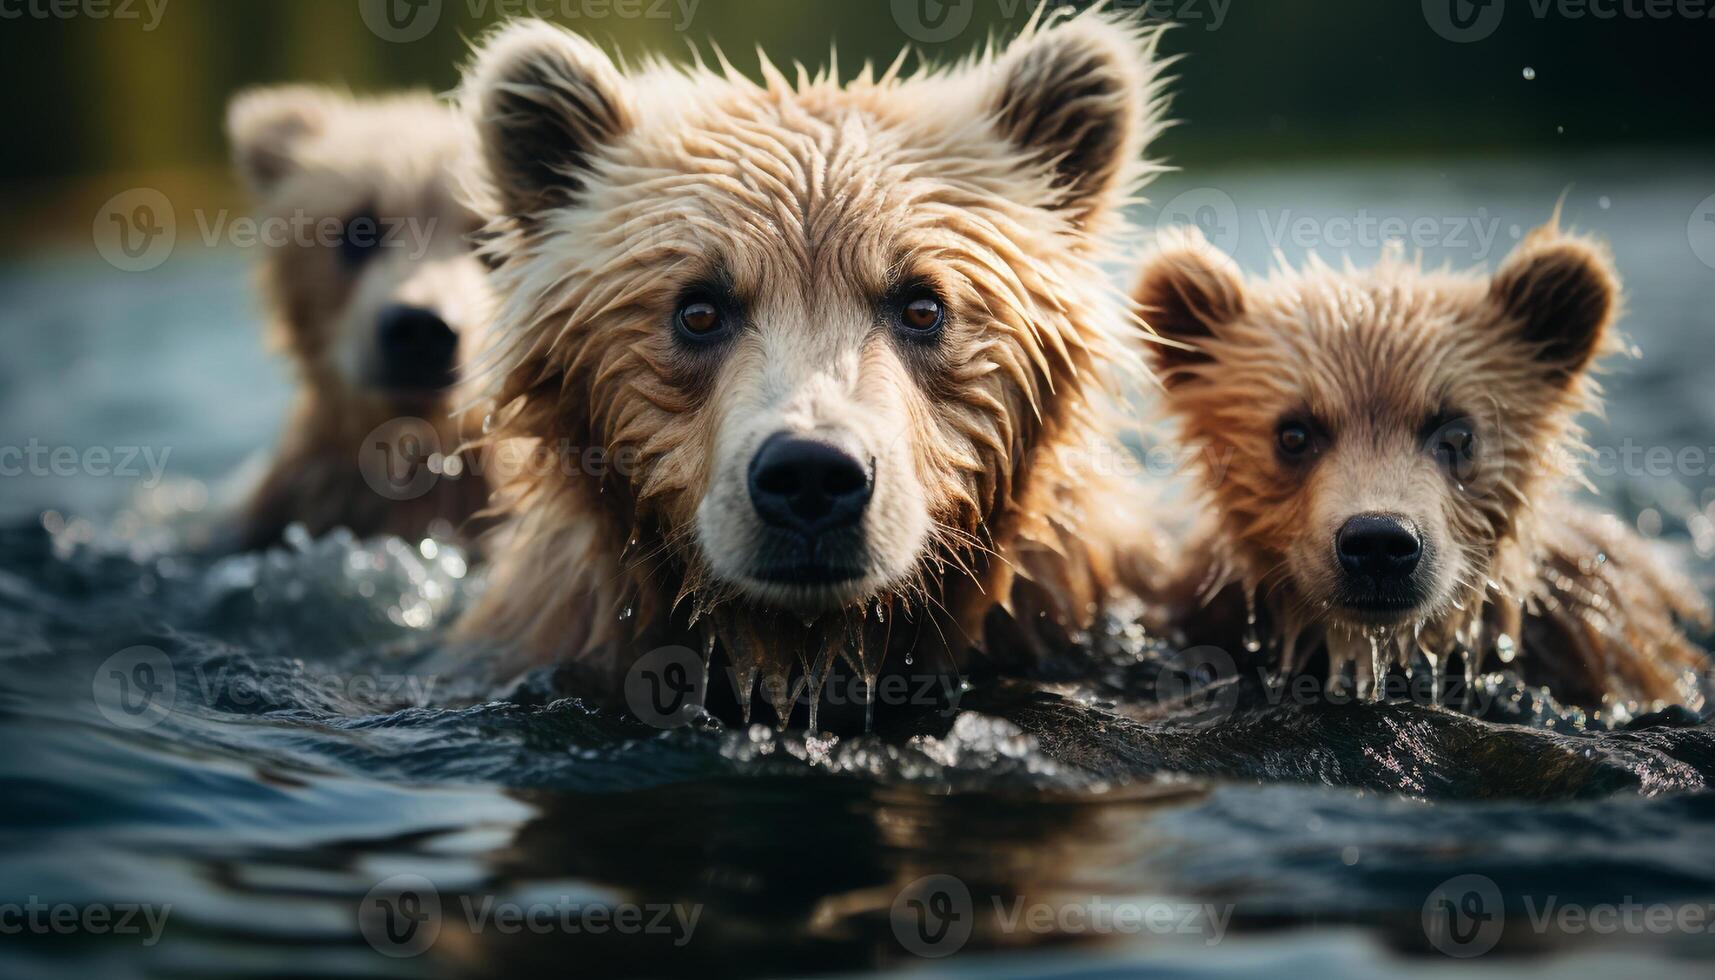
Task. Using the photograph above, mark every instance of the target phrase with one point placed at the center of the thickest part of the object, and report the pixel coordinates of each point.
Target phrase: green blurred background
(132, 90)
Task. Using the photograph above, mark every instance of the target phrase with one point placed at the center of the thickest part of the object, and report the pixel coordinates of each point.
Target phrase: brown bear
(376, 294)
(842, 347)
(1387, 455)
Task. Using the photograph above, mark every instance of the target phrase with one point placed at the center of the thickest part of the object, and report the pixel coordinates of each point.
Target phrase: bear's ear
(1081, 96)
(268, 128)
(1186, 292)
(1560, 293)
(544, 101)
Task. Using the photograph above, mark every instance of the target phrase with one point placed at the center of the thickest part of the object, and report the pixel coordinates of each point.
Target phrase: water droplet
(1529, 73)
(1649, 522)
(1604, 202)
(1252, 642)
(1378, 669)
(1505, 648)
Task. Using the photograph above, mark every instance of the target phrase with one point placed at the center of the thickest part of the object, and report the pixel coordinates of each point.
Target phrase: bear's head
(1374, 438)
(369, 266)
(817, 328)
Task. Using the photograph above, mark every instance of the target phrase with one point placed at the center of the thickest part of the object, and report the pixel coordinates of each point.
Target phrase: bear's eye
(921, 315)
(1454, 445)
(1294, 439)
(359, 239)
(699, 319)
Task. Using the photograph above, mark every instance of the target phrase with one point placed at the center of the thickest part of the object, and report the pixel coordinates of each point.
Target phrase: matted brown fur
(317, 159)
(996, 181)
(1371, 359)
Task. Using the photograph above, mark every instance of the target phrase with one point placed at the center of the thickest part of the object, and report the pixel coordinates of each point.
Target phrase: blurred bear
(376, 294)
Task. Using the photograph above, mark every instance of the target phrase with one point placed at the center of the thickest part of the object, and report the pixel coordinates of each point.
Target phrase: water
(316, 748)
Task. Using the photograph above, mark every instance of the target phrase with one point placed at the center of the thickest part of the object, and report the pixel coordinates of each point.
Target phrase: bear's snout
(1381, 555)
(416, 350)
(809, 486)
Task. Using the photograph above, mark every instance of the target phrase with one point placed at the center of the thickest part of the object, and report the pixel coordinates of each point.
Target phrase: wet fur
(1375, 352)
(999, 180)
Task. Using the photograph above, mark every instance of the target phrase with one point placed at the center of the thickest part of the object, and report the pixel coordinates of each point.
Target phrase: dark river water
(247, 766)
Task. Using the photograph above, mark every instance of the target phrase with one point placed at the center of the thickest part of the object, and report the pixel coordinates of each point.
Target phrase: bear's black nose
(1382, 548)
(416, 348)
(807, 485)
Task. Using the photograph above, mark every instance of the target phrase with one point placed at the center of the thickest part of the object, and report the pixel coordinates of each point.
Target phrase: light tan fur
(317, 159)
(997, 182)
(1372, 357)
